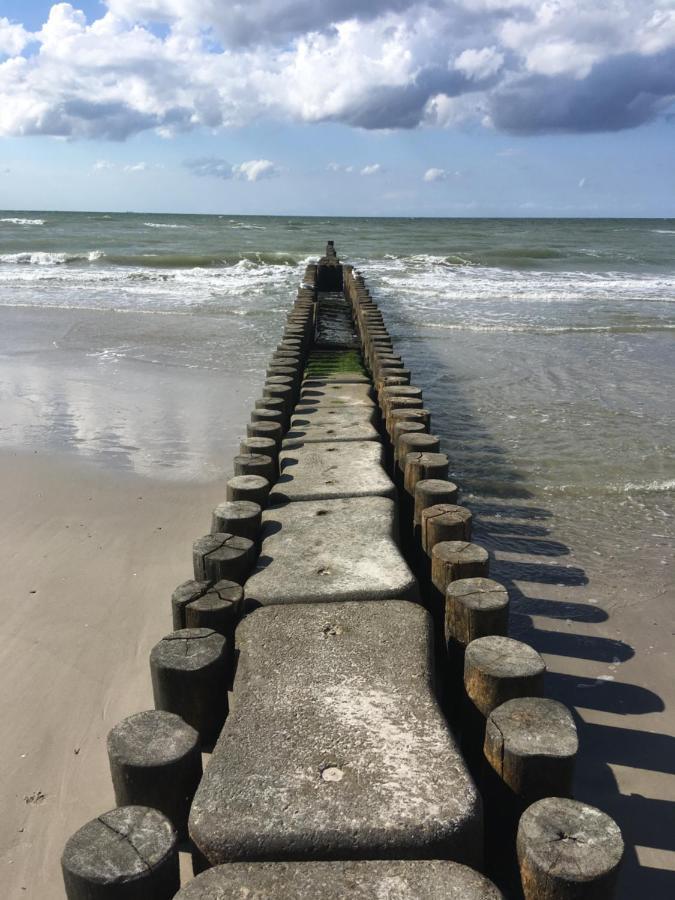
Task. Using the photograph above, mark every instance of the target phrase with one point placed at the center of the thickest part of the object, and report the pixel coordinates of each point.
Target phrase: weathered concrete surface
(342, 393)
(331, 470)
(337, 748)
(330, 550)
(345, 429)
(319, 416)
(418, 879)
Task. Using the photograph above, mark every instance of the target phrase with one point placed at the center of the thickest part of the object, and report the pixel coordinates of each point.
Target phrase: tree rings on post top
(568, 851)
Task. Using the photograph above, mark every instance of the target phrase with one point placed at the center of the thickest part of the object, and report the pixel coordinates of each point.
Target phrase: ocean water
(546, 351)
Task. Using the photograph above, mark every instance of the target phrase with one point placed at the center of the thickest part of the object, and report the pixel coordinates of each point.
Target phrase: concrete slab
(344, 430)
(418, 879)
(337, 748)
(342, 393)
(330, 470)
(332, 415)
(323, 551)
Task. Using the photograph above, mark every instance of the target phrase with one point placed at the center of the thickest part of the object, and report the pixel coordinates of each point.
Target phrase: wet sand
(90, 560)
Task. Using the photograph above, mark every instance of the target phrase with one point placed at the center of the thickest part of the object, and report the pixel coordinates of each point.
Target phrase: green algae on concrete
(336, 362)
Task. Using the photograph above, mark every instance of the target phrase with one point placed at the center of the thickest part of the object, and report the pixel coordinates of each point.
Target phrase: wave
(645, 487)
(154, 261)
(662, 231)
(23, 221)
(524, 328)
(44, 258)
(163, 225)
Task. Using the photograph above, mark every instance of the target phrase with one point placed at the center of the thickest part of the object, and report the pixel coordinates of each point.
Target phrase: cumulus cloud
(250, 170)
(521, 66)
(339, 167)
(435, 175)
(372, 169)
(255, 169)
(136, 167)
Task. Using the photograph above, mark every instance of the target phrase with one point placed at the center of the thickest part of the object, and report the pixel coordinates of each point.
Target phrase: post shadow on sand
(506, 519)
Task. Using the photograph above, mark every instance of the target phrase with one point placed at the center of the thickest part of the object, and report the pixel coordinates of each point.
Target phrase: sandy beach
(91, 559)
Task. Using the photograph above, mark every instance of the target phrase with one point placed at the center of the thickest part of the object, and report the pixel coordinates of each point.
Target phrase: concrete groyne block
(327, 471)
(330, 550)
(130, 853)
(343, 430)
(568, 851)
(155, 760)
(189, 670)
(337, 748)
(418, 879)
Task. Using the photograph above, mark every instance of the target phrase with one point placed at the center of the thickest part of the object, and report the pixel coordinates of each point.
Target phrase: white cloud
(582, 182)
(479, 64)
(13, 38)
(102, 165)
(136, 167)
(435, 175)
(517, 65)
(339, 167)
(372, 169)
(255, 169)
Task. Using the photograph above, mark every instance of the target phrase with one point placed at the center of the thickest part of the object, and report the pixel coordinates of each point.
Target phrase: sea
(546, 352)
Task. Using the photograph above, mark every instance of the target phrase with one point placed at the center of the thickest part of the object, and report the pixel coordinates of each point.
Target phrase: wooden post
(155, 761)
(238, 517)
(223, 556)
(124, 854)
(248, 487)
(265, 445)
(410, 415)
(497, 669)
(432, 492)
(266, 429)
(218, 609)
(568, 851)
(531, 743)
(410, 442)
(475, 608)
(419, 466)
(255, 464)
(444, 522)
(189, 677)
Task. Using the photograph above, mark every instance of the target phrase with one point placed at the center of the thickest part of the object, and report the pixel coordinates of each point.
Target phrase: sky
(355, 107)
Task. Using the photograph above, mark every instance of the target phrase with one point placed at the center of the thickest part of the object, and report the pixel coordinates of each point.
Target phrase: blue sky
(450, 107)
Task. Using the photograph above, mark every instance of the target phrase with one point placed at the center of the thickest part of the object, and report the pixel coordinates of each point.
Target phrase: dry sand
(90, 558)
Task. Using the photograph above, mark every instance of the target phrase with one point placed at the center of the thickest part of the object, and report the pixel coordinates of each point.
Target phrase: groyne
(343, 655)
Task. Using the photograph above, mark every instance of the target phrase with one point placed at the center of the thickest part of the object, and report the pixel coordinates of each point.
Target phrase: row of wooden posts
(520, 746)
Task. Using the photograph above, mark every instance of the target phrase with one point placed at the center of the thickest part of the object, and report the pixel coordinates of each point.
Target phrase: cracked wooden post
(189, 677)
(129, 853)
(474, 608)
(185, 593)
(432, 492)
(241, 518)
(444, 522)
(496, 669)
(420, 465)
(155, 760)
(568, 851)
(531, 743)
(218, 609)
(223, 556)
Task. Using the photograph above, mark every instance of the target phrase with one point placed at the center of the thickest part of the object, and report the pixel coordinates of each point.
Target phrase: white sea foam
(163, 225)
(45, 258)
(23, 221)
(662, 231)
